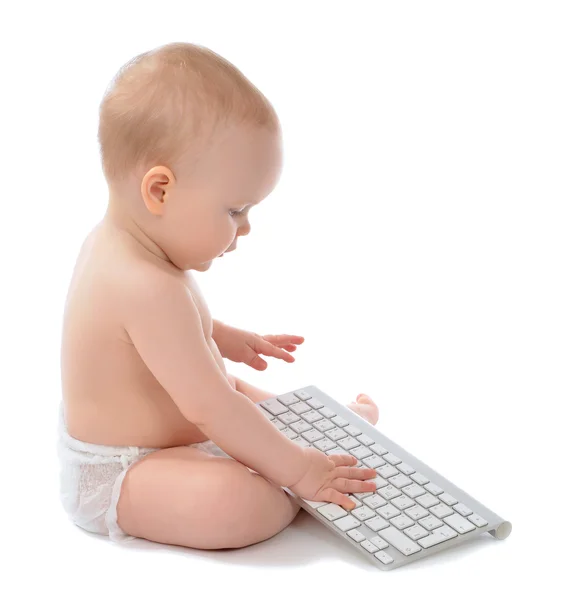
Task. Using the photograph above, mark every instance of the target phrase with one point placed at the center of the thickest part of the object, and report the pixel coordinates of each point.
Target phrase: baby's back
(110, 396)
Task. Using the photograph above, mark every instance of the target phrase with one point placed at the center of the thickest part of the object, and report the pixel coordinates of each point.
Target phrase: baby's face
(208, 206)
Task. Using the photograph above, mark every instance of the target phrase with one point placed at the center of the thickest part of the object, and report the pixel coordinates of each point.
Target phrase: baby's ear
(154, 188)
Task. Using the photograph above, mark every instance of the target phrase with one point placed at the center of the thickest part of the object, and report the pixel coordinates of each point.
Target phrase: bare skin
(110, 395)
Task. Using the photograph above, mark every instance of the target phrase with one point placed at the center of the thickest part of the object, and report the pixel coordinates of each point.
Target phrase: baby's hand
(330, 478)
(245, 346)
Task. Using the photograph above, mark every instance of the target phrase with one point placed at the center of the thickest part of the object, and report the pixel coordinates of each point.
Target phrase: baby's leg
(186, 497)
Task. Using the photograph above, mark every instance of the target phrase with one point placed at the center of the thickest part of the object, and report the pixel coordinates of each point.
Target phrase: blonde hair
(169, 99)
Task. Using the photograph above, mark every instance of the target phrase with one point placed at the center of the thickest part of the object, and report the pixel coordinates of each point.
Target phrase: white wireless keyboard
(414, 511)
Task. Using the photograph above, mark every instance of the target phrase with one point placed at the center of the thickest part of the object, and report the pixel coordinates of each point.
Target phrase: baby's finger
(340, 460)
(355, 472)
(351, 486)
(280, 340)
(332, 495)
(269, 349)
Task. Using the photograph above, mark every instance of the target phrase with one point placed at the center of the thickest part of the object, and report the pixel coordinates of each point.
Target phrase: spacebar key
(399, 540)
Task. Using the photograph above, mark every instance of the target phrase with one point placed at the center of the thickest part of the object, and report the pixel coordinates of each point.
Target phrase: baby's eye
(235, 213)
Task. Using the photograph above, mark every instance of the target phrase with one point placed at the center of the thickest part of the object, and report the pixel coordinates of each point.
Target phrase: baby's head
(188, 144)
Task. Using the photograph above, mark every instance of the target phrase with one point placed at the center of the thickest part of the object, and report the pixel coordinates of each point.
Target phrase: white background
(422, 239)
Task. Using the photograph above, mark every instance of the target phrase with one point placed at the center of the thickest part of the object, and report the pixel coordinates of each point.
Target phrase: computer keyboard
(414, 512)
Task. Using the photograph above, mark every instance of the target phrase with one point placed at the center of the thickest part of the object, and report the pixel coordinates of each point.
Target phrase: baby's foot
(365, 407)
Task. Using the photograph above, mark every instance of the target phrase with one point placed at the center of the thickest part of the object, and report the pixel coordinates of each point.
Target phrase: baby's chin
(203, 266)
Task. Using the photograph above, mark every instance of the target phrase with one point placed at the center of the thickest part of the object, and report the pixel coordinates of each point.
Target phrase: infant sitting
(154, 434)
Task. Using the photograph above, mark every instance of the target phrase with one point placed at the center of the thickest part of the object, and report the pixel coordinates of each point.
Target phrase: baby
(156, 440)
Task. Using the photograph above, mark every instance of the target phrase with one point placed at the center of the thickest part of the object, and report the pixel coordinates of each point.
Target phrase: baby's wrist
(303, 467)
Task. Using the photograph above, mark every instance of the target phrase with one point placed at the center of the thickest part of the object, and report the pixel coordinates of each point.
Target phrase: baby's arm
(165, 327)
(254, 394)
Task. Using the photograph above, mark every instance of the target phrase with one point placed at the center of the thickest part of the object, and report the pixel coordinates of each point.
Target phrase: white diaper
(91, 476)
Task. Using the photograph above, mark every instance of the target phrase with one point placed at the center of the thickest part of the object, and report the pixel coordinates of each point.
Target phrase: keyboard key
(327, 412)
(288, 399)
(400, 480)
(379, 482)
(323, 444)
(357, 502)
(353, 431)
(419, 478)
(362, 513)
(348, 443)
(430, 522)
(416, 532)
(450, 500)
(387, 471)
(379, 542)
(312, 435)
(477, 520)
(402, 502)
(324, 425)
(361, 452)
(313, 504)
(441, 510)
(374, 501)
(413, 491)
(405, 468)
(274, 406)
(427, 500)
(376, 523)
(356, 535)
(416, 512)
(400, 541)
(439, 535)
(311, 416)
(384, 557)
(299, 440)
(369, 546)
(313, 403)
(388, 511)
(462, 509)
(392, 459)
(300, 426)
(332, 511)
(289, 433)
(460, 524)
(434, 489)
(340, 421)
(402, 521)
(377, 449)
(300, 408)
(365, 439)
(362, 495)
(288, 418)
(373, 461)
(265, 412)
(335, 434)
(302, 395)
(388, 492)
(278, 424)
(346, 523)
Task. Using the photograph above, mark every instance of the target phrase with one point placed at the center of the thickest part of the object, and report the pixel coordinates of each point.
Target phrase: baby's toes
(365, 399)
